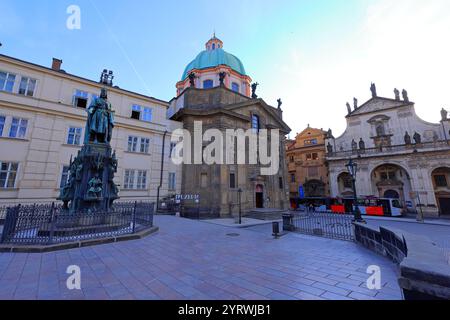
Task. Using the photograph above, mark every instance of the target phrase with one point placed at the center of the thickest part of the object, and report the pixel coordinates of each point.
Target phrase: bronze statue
(280, 103)
(95, 188)
(192, 78)
(444, 114)
(417, 138)
(222, 76)
(407, 139)
(373, 89)
(397, 94)
(405, 95)
(254, 87)
(100, 120)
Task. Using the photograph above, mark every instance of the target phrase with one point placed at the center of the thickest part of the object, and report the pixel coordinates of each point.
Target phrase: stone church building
(399, 155)
(215, 90)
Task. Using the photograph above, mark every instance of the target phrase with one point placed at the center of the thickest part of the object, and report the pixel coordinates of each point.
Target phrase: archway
(391, 181)
(259, 196)
(441, 184)
(345, 185)
(391, 194)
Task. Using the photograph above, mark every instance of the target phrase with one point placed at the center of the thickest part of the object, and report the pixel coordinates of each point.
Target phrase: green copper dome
(213, 58)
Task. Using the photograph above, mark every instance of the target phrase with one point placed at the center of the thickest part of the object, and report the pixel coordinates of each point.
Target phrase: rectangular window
(80, 99)
(147, 115)
(141, 180)
(128, 179)
(132, 144)
(204, 180)
(145, 145)
(281, 183)
(235, 87)
(315, 156)
(8, 174)
(136, 112)
(255, 123)
(7, 81)
(232, 181)
(2, 124)
(74, 136)
(172, 181)
(440, 181)
(18, 128)
(308, 157)
(64, 176)
(27, 86)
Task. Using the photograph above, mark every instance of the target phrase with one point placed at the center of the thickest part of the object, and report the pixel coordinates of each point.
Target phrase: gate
(324, 224)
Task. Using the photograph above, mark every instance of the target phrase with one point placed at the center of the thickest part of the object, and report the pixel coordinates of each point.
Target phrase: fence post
(134, 217)
(52, 223)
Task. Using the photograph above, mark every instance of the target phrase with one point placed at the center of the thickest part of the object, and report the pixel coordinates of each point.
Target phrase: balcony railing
(404, 148)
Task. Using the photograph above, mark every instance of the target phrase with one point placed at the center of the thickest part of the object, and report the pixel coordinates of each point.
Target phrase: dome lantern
(214, 43)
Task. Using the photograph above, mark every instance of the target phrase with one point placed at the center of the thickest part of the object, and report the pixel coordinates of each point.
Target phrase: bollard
(276, 229)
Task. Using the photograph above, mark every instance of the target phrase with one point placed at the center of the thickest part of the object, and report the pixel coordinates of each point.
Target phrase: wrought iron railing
(199, 213)
(52, 224)
(325, 224)
(389, 149)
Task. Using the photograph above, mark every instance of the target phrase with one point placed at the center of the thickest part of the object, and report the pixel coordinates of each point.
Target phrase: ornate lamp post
(240, 205)
(352, 168)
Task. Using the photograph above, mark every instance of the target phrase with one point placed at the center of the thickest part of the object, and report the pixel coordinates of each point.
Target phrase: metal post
(420, 218)
(356, 211)
(52, 223)
(240, 206)
(134, 216)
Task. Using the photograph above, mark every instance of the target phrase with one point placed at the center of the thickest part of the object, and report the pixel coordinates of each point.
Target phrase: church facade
(398, 154)
(215, 91)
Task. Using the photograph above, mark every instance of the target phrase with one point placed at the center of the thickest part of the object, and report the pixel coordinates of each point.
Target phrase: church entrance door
(259, 196)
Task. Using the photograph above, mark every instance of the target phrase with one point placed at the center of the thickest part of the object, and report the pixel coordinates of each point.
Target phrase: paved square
(197, 260)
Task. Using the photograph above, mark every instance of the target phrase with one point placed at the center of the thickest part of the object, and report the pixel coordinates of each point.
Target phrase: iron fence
(199, 213)
(324, 224)
(43, 224)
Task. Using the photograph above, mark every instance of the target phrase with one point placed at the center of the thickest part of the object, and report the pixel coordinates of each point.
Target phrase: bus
(368, 206)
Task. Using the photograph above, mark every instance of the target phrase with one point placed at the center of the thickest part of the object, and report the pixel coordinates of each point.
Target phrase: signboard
(187, 197)
(301, 192)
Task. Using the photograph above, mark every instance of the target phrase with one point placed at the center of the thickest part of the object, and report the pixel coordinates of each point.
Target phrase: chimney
(56, 64)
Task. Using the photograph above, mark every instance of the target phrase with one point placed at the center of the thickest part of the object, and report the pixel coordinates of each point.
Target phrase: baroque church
(216, 91)
(399, 155)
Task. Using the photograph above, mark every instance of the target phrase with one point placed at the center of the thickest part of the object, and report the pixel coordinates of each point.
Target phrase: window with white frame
(147, 115)
(74, 136)
(27, 86)
(8, 174)
(7, 81)
(64, 176)
(80, 99)
(2, 124)
(172, 181)
(145, 145)
(18, 128)
(141, 180)
(128, 181)
(132, 143)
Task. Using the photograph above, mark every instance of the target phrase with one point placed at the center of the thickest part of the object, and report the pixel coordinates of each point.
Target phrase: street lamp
(240, 205)
(352, 168)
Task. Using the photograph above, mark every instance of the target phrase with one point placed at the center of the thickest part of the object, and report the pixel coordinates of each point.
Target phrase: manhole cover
(233, 234)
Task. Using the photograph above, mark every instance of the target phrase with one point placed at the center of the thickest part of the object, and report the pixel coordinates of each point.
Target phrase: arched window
(380, 129)
(235, 87)
(214, 46)
(207, 84)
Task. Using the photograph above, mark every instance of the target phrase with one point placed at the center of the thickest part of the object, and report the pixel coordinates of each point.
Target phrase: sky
(315, 55)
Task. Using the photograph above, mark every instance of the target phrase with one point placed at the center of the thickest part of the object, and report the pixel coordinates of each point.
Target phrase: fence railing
(199, 213)
(50, 224)
(325, 224)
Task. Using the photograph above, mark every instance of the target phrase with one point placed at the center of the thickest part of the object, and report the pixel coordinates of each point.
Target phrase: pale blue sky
(314, 54)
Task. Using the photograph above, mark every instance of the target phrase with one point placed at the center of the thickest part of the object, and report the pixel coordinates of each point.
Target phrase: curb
(430, 222)
(78, 244)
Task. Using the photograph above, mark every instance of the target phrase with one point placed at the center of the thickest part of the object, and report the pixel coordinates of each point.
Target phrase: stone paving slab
(192, 260)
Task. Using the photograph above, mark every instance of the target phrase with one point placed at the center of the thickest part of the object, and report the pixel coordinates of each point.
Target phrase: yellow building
(306, 165)
(42, 120)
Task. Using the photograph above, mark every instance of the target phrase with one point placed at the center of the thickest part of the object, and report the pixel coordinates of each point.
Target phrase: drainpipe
(162, 170)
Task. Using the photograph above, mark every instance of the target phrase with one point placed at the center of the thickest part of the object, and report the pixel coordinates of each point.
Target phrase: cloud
(401, 43)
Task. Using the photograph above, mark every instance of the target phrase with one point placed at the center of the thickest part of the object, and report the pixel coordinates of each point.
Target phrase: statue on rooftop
(254, 87)
(444, 114)
(373, 89)
(397, 94)
(405, 95)
(417, 138)
(280, 103)
(222, 76)
(407, 139)
(349, 108)
(362, 144)
(355, 103)
(192, 78)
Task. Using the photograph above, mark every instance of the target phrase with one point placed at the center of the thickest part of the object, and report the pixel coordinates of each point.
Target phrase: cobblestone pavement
(195, 260)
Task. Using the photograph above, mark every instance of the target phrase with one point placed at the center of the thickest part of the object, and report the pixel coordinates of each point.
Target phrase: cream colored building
(42, 124)
(399, 155)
